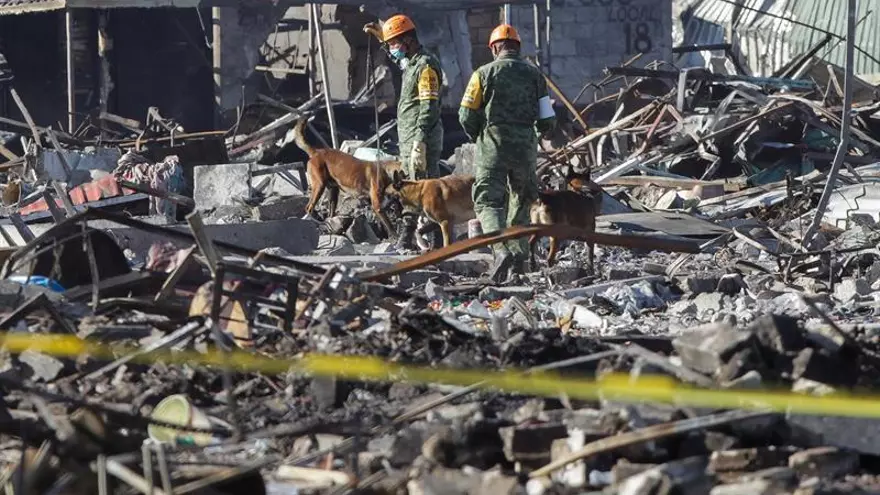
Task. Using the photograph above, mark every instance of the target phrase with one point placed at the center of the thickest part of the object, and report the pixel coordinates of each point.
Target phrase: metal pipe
(71, 89)
(312, 82)
(547, 38)
(325, 80)
(843, 145)
(506, 13)
(536, 20)
(217, 51)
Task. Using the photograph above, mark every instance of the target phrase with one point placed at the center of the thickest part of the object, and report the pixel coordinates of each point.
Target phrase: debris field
(737, 251)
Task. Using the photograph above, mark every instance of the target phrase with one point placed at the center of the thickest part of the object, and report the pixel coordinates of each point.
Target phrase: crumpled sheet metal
(558, 231)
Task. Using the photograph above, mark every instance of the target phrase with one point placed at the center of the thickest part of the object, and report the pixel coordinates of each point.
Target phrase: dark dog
(568, 208)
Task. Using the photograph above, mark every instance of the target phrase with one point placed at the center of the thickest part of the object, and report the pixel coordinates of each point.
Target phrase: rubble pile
(162, 296)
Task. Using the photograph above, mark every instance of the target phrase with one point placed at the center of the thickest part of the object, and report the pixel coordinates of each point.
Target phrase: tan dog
(446, 201)
(337, 170)
(568, 208)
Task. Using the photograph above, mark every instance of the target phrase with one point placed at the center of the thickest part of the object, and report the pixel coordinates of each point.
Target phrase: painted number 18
(638, 40)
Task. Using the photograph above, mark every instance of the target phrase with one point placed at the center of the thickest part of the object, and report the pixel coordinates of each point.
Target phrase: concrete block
(531, 444)
(220, 185)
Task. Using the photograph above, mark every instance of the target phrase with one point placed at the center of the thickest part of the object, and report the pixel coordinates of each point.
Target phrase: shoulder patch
(429, 84)
(473, 95)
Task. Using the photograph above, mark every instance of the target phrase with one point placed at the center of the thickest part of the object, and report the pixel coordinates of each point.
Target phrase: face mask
(397, 54)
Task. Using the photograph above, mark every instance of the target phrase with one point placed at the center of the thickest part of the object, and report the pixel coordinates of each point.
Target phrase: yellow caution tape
(617, 387)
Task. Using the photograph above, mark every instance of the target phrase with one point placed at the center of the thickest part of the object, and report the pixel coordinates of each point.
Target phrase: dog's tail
(300, 138)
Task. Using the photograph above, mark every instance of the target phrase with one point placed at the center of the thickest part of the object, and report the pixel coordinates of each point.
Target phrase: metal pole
(506, 13)
(71, 89)
(312, 84)
(843, 145)
(536, 20)
(217, 51)
(325, 81)
(547, 37)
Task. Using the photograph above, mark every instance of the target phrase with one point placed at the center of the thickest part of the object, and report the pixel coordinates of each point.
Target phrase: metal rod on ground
(325, 81)
(71, 89)
(843, 146)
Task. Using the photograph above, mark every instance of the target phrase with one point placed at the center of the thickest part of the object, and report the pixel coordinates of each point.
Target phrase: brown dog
(337, 170)
(569, 208)
(446, 201)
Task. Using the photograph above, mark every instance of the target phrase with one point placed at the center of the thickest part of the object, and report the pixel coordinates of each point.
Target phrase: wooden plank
(57, 216)
(26, 114)
(61, 191)
(55, 144)
(203, 241)
(23, 230)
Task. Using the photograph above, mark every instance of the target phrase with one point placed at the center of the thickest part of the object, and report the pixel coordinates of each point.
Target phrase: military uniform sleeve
(470, 113)
(546, 116)
(429, 102)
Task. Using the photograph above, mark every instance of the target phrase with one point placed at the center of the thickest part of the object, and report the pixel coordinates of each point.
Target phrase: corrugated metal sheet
(768, 43)
(23, 6)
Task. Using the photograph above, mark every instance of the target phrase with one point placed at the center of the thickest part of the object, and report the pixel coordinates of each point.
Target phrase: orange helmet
(504, 32)
(397, 25)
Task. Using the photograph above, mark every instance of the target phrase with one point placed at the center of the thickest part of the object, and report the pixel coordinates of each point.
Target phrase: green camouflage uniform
(418, 111)
(499, 112)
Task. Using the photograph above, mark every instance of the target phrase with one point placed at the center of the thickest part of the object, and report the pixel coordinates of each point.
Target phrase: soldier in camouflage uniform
(505, 102)
(419, 130)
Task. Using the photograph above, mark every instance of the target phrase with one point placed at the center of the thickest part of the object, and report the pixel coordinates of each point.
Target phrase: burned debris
(177, 319)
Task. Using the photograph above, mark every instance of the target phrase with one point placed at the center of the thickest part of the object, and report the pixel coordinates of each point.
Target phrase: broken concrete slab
(221, 185)
(44, 368)
(709, 303)
(471, 264)
(850, 289)
(280, 208)
(749, 459)
(334, 245)
(294, 235)
(685, 476)
(707, 348)
(824, 462)
(858, 434)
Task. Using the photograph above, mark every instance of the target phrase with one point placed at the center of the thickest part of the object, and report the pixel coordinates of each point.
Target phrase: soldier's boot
(520, 265)
(406, 231)
(434, 233)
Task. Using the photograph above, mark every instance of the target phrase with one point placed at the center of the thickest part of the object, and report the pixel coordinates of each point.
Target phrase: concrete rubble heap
(165, 300)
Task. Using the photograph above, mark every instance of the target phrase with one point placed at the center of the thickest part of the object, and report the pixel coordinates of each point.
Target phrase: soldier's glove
(419, 159)
(374, 29)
